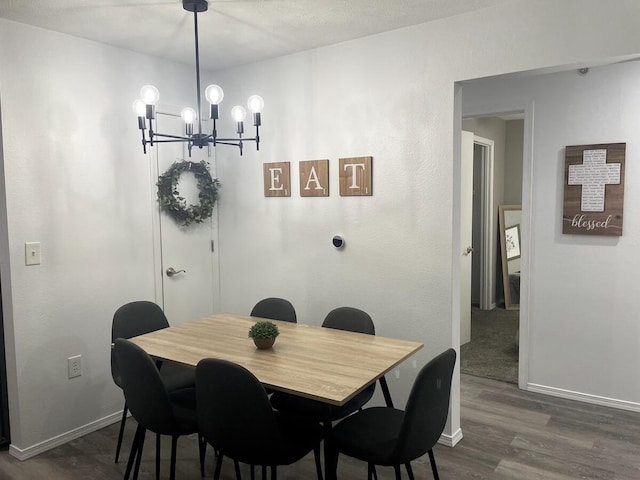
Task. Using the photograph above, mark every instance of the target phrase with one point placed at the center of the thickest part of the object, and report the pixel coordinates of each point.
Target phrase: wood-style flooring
(508, 434)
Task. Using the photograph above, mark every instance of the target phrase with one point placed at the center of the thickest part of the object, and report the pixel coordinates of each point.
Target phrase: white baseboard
(26, 453)
(451, 440)
(584, 397)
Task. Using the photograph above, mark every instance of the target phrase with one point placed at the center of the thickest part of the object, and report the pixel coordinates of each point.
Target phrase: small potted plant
(264, 333)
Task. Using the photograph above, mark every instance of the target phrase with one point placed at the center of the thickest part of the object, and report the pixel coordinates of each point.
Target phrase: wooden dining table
(323, 364)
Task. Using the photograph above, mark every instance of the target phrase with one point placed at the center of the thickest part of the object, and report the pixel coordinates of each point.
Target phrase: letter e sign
(277, 179)
(314, 178)
(356, 177)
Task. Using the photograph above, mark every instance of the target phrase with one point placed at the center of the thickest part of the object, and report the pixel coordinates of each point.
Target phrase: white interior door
(466, 227)
(188, 250)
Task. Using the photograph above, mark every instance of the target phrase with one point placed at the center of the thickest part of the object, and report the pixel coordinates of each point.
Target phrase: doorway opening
(493, 349)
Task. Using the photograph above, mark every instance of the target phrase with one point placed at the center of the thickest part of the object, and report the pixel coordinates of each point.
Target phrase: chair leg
(202, 444)
(264, 472)
(409, 471)
(174, 449)
(136, 446)
(137, 470)
(139, 457)
(434, 469)
(316, 457)
(216, 474)
(274, 472)
(236, 464)
(370, 471)
(253, 472)
(158, 445)
(396, 468)
(133, 453)
(121, 433)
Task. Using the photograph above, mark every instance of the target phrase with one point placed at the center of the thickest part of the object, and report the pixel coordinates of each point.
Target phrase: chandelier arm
(166, 135)
(237, 140)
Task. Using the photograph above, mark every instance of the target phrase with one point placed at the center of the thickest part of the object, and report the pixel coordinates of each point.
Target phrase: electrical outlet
(74, 366)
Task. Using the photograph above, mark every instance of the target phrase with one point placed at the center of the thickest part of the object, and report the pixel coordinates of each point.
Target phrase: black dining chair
(236, 418)
(152, 406)
(137, 318)
(275, 309)
(342, 318)
(390, 437)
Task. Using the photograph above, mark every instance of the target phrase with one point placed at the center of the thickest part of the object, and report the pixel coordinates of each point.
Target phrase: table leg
(385, 391)
(329, 464)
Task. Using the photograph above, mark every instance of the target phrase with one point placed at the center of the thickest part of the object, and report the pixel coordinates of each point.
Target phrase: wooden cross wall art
(594, 189)
(277, 179)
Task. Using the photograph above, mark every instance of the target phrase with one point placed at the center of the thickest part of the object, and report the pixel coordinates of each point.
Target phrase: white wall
(390, 96)
(514, 146)
(583, 328)
(76, 181)
(80, 186)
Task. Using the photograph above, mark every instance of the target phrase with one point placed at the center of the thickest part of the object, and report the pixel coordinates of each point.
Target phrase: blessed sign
(594, 189)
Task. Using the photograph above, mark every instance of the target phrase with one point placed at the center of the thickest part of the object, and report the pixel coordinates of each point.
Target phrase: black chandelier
(145, 107)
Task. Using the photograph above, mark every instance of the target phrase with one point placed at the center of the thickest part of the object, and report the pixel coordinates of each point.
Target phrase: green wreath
(176, 206)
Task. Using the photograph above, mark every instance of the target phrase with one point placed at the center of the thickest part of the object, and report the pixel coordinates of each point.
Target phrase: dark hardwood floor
(508, 434)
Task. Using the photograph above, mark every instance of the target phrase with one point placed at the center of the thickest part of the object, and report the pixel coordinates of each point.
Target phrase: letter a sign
(314, 178)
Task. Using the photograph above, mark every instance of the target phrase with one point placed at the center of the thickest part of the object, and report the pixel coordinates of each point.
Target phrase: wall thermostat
(338, 241)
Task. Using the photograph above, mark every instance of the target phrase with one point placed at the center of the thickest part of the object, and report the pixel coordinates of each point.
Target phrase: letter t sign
(356, 176)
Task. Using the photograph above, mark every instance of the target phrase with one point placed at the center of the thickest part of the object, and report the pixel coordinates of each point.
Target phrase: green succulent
(263, 329)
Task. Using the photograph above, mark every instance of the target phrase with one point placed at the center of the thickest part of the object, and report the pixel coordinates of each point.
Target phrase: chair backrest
(275, 309)
(137, 318)
(144, 390)
(427, 408)
(234, 412)
(350, 319)
(131, 320)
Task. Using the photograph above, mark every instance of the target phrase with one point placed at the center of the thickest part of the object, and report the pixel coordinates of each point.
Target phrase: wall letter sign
(594, 189)
(356, 176)
(314, 178)
(277, 179)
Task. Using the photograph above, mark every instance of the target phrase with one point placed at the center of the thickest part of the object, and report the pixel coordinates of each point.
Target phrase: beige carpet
(492, 351)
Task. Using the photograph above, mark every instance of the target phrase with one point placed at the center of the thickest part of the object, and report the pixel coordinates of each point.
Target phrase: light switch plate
(32, 253)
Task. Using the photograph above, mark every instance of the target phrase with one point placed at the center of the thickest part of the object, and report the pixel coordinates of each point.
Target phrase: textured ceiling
(232, 32)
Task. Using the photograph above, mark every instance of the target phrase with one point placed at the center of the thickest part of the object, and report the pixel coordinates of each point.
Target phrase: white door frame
(487, 257)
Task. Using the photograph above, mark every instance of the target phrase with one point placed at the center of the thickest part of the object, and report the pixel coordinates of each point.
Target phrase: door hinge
(212, 246)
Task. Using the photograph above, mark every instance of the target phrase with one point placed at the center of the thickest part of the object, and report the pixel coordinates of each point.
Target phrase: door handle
(468, 251)
(172, 271)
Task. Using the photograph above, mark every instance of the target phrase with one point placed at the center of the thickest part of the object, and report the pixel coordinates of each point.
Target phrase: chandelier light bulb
(238, 113)
(214, 94)
(139, 107)
(255, 103)
(150, 94)
(188, 115)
